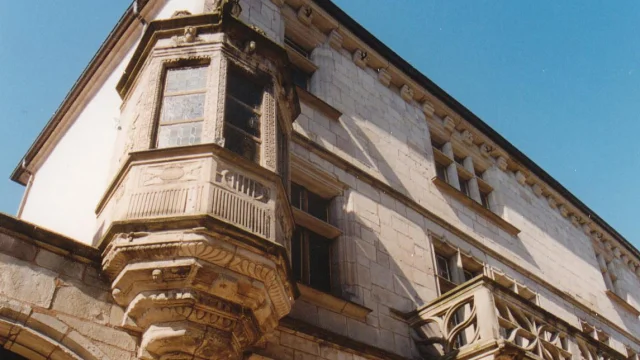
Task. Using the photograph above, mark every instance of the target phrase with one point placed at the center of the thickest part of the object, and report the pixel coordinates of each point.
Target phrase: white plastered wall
(69, 183)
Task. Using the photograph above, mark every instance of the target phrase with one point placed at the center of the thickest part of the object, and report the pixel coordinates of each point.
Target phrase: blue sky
(560, 80)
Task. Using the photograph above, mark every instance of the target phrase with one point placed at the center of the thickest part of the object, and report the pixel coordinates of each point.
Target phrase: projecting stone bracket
(196, 295)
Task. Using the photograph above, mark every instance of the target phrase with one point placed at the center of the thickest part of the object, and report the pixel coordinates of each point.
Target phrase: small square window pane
(442, 264)
(179, 134)
(242, 118)
(185, 79)
(296, 196)
(241, 144)
(182, 107)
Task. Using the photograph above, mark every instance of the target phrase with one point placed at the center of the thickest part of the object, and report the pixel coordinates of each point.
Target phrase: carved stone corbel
(384, 77)
(537, 189)
(502, 163)
(406, 92)
(428, 109)
(521, 177)
(360, 58)
(305, 15)
(449, 124)
(335, 39)
(564, 210)
(552, 202)
(467, 137)
(486, 149)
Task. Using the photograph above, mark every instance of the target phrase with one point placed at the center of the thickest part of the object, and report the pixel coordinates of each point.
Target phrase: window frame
(161, 95)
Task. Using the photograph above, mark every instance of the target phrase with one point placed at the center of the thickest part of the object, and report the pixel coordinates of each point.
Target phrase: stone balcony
(483, 319)
(194, 246)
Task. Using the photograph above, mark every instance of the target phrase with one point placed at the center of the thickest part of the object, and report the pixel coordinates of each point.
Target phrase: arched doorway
(8, 355)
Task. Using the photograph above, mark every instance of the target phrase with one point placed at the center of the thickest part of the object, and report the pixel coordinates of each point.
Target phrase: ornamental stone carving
(552, 202)
(406, 93)
(449, 123)
(467, 137)
(305, 15)
(521, 178)
(502, 163)
(335, 39)
(428, 109)
(564, 211)
(384, 77)
(360, 58)
(195, 293)
(537, 189)
(486, 149)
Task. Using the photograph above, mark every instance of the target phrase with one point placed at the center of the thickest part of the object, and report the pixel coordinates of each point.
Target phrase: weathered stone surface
(77, 299)
(59, 264)
(17, 248)
(25, 282)
(105, 334)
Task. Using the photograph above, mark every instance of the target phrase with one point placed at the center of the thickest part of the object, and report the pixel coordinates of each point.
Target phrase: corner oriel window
(243, 110)
(182, 109)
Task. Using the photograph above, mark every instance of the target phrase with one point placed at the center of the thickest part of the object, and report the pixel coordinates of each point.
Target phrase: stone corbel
(586, 227)
(552, 202)
(361, 58)
(537, 189)
(305, 15)
(575, 220)
(502, 163)
(467, 137)
(616, 252)
(335, 39)
(428, 109)
(406, 93)
(564, 211)
(449, 124)
(521, 177)
(486, 149)
(384, 77)
(638, 270)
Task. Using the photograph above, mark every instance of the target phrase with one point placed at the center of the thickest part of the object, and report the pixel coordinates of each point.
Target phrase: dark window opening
(484, 200)
(464, 186)
(300, 77)
(298, 48)
(311, 259)
(242, 115)
(441, 172)
(309, 202)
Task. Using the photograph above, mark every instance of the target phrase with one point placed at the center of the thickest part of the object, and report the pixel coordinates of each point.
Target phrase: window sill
(314, 101)
(300, 61)
(479, 209)
(330, 302)
(622, 302)
(314, 224)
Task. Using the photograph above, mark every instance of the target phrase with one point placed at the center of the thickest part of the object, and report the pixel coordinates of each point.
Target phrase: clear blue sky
(560, 80)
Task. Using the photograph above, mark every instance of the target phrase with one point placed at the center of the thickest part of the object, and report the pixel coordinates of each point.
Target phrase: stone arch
(36, 335)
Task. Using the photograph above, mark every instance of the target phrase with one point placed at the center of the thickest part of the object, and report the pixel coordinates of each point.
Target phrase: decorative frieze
(384, 77)
(360, 58)
(406, 92)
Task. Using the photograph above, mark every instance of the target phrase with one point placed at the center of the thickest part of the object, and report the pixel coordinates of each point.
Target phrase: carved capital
(305, 15)
(449, 123)
(384, 77)
(406, 93)
(361, 58)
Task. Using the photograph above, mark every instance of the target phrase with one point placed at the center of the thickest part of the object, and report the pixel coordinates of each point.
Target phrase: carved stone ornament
(521, 178)
(406, 93)
(564, 211)
(575, 220)
(486, 149)
(190, 36)
(449, 124)
(467, 137)
(305, 15)
(361, 58)
(428, 109)
(552, 202)
(537, 189)
(587, 229)
(236, 9)
(502, 163)
(384, 77)
(194, 295)
(180, 13)
(335, 39)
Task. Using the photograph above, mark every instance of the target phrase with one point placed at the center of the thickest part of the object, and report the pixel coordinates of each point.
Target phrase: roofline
(78, 87)
(358, 30)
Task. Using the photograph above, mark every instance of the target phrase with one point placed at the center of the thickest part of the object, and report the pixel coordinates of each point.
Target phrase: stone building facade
(264, 179)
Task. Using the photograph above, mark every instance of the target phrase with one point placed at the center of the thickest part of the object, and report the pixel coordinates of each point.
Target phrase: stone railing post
(486, 314)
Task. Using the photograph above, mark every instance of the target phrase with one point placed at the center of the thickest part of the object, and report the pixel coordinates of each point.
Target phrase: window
(311, 259)
(242, 113)
(464, 187)
(309, 202)
(295, 46)
(300, 77)
(182, 107)
(484, 199)
(441, 172)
